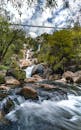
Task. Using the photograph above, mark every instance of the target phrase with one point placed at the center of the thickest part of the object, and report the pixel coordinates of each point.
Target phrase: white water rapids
(47, 115)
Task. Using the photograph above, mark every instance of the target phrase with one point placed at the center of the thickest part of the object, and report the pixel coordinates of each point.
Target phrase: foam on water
(48, 115)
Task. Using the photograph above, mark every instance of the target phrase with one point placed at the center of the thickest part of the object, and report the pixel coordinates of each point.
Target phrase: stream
(58, 109)
(46, 115)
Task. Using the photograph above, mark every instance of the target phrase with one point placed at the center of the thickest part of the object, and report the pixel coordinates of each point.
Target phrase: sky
(59, 17)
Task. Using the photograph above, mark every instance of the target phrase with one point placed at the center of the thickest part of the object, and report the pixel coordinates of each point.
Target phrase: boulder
(38, 69)
(35, 78)
(68, 75)
(16, 73)
(4, 87)
(28, 92)
(9, 80)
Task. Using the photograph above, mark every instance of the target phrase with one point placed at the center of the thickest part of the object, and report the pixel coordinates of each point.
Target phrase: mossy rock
(17, 73)
(2, 79)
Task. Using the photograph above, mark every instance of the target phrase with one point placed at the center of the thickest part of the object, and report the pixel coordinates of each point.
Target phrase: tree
(59, 49)
(9, 36)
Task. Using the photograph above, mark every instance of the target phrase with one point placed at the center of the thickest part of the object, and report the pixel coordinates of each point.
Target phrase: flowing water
(46, 115)
(28, 71)
(53, 111)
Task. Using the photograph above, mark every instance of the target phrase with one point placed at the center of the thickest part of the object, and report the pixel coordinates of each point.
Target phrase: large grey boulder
(38, 69)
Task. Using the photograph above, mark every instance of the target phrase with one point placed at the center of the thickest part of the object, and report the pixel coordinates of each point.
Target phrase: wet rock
(38, 69)
(47, 86)
(9, 80)
(28, 92)
(68, 75)
(8, 105)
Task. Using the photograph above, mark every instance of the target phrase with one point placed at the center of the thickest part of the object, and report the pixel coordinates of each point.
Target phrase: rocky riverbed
(32, 84)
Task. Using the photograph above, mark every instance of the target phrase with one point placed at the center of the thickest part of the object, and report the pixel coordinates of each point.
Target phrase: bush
(19, 74)
(16, 73)
(3, 67)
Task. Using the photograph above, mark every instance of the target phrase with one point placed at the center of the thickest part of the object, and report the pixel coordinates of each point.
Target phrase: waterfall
(27, 55)
(28, 71)
(47, 115)
(39, 46)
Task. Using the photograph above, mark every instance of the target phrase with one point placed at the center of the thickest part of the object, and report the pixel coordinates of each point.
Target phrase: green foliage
(19, 74)
(59, 49)
(2, 80)
(11, 41)
(2, 67)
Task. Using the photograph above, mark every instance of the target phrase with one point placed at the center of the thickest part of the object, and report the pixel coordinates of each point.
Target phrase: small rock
(28, 92)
